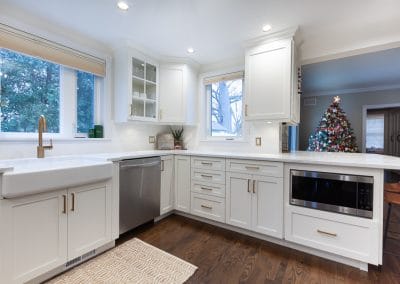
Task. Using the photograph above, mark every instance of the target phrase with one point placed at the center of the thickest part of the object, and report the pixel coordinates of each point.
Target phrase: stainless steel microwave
(341, 193)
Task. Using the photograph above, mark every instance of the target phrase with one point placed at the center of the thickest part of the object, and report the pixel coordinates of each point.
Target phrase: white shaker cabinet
(45, 231)
(89, 218)
(178, 89)
(182, 183)
(238, 200)
(271, 81)
(167, 184)
(33, 236)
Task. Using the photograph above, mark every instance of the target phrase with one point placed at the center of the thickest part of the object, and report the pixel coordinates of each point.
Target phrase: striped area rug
(132, 262)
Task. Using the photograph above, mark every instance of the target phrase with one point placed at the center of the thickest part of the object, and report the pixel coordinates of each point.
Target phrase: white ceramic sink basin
(30, 176)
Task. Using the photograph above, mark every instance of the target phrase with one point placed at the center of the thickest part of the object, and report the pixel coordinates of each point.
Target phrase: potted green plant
(178, 137)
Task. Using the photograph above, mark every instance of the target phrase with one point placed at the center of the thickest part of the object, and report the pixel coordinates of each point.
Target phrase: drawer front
(217, 164)
(208, 188)
(208, 176)
(272, 169)
(209, 207)
(345, 239)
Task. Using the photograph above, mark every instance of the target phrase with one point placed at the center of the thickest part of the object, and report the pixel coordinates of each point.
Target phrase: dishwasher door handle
(145, 165)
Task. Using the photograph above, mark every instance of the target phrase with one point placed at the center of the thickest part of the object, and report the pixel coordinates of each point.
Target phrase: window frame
(68, 108)
(207, 137)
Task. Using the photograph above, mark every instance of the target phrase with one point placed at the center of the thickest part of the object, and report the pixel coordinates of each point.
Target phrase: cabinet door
(268, 81)
(267, 205)
(182, 183)
(36, 239)
(171, 94)
(238, 200)
(89, 218)
(167, 184)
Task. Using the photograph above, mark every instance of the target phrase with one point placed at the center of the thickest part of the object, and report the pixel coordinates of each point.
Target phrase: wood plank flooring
(224, 256)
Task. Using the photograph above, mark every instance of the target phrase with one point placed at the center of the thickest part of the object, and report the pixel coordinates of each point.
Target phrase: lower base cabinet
(43, 231)
(207, 206)
(182, 183)
(167, 185)
(255, 203)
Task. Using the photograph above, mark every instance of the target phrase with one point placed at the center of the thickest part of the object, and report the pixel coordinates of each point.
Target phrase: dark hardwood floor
(227, 257)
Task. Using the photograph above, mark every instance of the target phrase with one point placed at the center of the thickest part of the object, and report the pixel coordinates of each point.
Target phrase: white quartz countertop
(334, 159)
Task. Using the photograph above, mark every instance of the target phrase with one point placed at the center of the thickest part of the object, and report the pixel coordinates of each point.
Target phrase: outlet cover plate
(152, 139)
(258, 141)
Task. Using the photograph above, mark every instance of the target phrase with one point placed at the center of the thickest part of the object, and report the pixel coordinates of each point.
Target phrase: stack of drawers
(208, 188)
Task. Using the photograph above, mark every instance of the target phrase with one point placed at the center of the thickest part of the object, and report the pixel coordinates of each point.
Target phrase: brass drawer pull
(207, 176)
(206, 163)
(252, 167)
(206, 188)
(205, 206)
(64, 204)
(73, 202)
(327, 233)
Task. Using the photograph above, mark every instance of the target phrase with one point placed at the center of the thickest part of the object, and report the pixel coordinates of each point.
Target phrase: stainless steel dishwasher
(139, 187)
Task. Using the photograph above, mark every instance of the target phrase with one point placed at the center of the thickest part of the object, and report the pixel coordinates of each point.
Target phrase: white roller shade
(29, 44)
(224, 77)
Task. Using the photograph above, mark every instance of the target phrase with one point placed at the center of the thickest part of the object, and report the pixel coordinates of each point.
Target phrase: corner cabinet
(135, 86)
(271, 81)
(178, 89)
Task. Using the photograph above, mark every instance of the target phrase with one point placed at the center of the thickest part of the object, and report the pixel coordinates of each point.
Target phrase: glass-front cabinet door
(144, 97)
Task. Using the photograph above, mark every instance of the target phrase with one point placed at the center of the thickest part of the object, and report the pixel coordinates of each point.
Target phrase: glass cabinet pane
(138, 88)
(151, 91)
(151, 73)
(137, 107)
(150, 109)
(138, 68)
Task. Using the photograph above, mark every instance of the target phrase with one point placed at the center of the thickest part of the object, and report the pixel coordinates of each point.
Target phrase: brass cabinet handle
(327, 233)
(206, 163)
(160, 114)
(252, 167)
(205, 188)
(162, 165)
(245, 109)
(73, 202)
(64, 204)
(248, 185)
(205, 206)
(254, 186)
(206, 176)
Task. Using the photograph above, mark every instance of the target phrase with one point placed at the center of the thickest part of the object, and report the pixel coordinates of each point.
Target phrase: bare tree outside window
(226, 108)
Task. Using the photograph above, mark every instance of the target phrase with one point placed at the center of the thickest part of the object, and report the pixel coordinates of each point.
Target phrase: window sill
(55, 139)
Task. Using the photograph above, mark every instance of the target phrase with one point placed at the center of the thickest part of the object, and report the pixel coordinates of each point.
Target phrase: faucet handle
(49, 146)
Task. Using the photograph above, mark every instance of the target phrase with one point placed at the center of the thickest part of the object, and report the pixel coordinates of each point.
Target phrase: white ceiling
(218, 28)
(355, 74)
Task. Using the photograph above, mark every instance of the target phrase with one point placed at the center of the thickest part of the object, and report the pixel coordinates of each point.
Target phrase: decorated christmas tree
(334, 133)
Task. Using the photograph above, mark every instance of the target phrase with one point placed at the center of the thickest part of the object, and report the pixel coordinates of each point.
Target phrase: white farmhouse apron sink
(31, 176)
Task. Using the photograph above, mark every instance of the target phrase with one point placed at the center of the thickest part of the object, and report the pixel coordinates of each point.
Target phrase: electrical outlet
(152, 139)
(258, 141)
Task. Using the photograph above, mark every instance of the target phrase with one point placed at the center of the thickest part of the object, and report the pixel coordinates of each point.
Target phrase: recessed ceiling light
(269, 122)
(266, 28)
(123, 5)
(190, 50)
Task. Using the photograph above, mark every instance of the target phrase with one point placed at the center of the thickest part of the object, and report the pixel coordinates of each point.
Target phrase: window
(85, 101)
(30, 87)
(225, 107)
(375, 133)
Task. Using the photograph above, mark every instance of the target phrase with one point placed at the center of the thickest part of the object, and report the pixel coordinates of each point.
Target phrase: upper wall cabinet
(271, 80)
(178, 89)
(136, 86)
